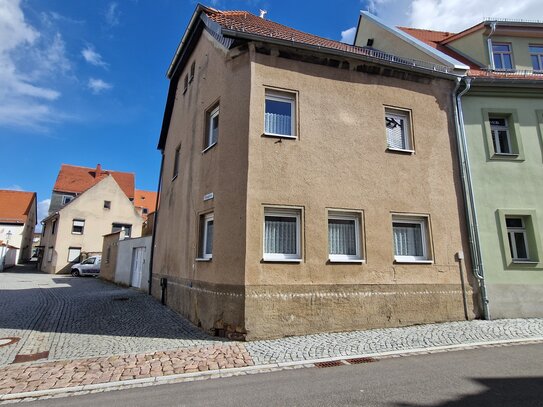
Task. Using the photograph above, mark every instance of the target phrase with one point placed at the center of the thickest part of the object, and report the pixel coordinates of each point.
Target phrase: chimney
(98, 171)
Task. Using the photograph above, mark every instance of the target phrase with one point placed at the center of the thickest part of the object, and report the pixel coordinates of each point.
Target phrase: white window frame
(284, 97)
(501, 54)
(286, 213)
(82, 226)
(215, 112)
(423, 222)
(494, 131)
(407, 135)
(511, 231)
(538, 55)
(209, 217)
(350, 216)
(70, 249)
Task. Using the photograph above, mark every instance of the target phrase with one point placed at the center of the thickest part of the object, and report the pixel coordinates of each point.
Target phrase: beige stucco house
(76, 230)
(326, 197)
(18, 217)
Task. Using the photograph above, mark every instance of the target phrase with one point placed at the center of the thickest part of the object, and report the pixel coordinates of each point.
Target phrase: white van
(91, 266)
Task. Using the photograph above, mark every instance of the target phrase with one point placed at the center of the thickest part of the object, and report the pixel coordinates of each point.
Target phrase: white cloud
(347, 36)
(98, 85)
(14, 187)
(43, 211)
(452, 15)
(93, 57)
(28, 60)
(113, 14)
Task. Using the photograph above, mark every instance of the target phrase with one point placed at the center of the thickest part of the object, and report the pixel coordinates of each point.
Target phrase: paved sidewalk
(30, 377)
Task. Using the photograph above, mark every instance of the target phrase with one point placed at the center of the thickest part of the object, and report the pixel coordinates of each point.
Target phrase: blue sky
(83, 82)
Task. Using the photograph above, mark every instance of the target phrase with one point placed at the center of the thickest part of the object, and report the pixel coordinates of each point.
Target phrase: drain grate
(361, 360)
(332, 363)
(120, 299)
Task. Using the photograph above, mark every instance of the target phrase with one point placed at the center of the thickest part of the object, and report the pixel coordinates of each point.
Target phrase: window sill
(400, 150)
(273, 135)
(396, 261)
(275, 260)
(75, 233)
(355, 261)
(203, 259)
(209, 147)
(524, 262)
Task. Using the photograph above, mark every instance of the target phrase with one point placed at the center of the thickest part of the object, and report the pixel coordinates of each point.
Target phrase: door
(138, 257)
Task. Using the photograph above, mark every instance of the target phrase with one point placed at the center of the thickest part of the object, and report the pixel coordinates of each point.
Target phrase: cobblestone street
(83, 317)
(66, 332)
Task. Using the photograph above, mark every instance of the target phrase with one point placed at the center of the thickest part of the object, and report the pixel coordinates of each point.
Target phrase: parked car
(91, 266)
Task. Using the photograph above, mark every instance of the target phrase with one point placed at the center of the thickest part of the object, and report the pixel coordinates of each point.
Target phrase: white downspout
(489, 45)
(471, 212)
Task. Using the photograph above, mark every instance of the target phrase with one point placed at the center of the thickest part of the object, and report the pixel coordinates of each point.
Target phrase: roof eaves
(338, 52)
(444, 58)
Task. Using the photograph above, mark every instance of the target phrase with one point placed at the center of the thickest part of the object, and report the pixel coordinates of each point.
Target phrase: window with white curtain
(279, 115)
(518, 241)
(344, 236)
(398, 129)
(282, 234)
(410, 235)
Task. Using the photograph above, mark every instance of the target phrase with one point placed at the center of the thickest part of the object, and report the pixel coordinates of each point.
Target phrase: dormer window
(503, 56)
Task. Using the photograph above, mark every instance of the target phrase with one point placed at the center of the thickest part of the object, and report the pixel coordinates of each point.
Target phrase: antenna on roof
(263, 14)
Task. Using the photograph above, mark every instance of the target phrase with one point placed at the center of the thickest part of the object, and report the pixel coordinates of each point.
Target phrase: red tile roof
(145, 199)
(76, 179)
(15, 205)
(437, 40)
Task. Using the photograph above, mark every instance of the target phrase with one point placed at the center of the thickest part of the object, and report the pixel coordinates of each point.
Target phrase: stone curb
(118, 385)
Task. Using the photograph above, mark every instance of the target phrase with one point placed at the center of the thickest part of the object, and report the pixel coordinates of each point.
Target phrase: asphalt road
(498, 376)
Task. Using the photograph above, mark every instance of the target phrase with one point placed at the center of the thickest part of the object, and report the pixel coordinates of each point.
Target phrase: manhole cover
(8, 341)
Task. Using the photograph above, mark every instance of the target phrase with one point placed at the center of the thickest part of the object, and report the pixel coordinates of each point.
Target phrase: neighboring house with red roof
(18, 217)
(145, 202)
(75, 231)
(498, 112)
(73, 180)
(326, 197)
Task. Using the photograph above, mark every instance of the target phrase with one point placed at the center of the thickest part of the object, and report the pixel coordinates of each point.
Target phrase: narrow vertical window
(50, 254)
(503, 57)
(186, 83)
(206, 236)
(282, 233)
(279, 115)
(192, 69)
(53, 226)
(398, 129)
(212, 127)
(516, 234)
(344, 236)
(176, 159)
(501, 138)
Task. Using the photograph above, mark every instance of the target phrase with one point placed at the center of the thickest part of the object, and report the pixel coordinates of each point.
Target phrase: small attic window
(107, 204)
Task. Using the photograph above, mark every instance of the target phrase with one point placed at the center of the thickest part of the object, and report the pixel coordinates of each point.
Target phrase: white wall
(8, 257)
(124, 260)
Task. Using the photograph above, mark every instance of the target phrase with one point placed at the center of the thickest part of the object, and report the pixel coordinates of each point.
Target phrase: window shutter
(80, 223)
(396, 126)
